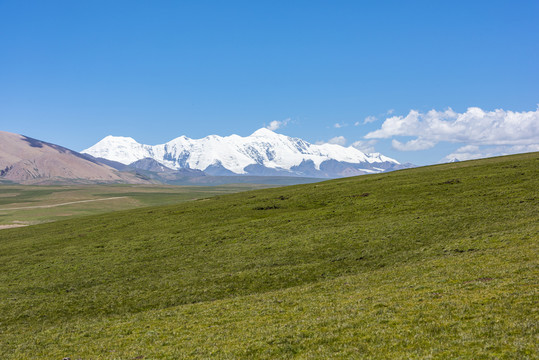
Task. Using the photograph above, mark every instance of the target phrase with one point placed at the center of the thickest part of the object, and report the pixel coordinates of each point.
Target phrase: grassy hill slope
(435, 262)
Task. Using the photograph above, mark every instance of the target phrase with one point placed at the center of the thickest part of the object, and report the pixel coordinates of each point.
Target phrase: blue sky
(72, 72)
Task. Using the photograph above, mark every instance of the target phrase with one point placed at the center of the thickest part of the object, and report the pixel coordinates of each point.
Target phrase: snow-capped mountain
(262, 153)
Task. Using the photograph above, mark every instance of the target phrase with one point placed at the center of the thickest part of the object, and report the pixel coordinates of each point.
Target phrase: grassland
(28, 205)
(435, 262)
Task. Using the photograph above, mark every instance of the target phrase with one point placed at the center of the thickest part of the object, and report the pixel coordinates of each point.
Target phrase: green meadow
(438, 262)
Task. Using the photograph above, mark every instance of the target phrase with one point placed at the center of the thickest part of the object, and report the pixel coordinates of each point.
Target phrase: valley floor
(22, 205)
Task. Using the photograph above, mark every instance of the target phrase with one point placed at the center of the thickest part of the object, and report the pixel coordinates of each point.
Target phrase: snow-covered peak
(263, 132)
(118, 139)
(377, 157)
(262, 149)
(118, 148)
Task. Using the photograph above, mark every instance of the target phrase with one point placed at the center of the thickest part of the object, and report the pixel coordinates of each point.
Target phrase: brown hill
(29, 161)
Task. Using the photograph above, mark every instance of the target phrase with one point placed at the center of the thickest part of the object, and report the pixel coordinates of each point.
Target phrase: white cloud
(339, 140)
(365, 146)
(475, 126)
(470, 152)
(468, 148)
(276, 124)
(413, 145)
(390, 111)
(339, 125)
(370, 119)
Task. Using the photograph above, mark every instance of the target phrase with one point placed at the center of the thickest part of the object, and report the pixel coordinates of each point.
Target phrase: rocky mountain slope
(30, 161)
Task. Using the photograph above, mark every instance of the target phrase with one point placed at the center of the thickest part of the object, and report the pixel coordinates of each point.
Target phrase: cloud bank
(412, 145)
(502, 132)
(475, 126)
(470, 152)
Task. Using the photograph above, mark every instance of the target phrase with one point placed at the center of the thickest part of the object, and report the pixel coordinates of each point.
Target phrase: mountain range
(263, 157)
(263, 153)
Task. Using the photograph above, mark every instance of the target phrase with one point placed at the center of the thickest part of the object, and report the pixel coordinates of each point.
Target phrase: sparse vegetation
(409, 264)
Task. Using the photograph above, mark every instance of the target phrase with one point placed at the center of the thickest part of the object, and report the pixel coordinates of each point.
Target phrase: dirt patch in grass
(2, 227)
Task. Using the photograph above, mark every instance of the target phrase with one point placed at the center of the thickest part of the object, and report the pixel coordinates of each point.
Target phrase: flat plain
(30, 205)
(428, 263)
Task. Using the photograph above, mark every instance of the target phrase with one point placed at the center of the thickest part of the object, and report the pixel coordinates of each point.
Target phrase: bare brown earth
(62, 204)
(2, 227)
(29, 161)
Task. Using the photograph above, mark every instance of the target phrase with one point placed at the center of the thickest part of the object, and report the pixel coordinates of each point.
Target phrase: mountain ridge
(264, 152)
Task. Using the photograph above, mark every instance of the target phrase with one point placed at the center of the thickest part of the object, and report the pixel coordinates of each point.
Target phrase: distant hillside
(152, 170)
(30, 161)
(150, 164)
(436, 262)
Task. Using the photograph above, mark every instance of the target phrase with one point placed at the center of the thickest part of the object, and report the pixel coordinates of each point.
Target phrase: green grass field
(429, 263)
(27, 205)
